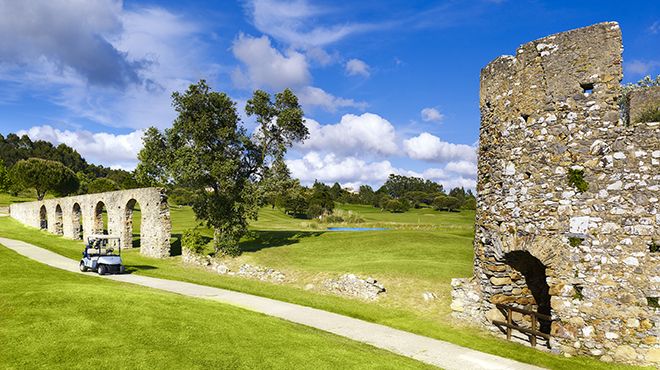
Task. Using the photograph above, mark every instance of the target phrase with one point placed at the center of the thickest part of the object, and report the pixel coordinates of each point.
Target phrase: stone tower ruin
(568, 220)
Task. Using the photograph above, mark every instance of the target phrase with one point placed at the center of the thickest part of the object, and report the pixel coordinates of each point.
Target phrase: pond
(356, 228)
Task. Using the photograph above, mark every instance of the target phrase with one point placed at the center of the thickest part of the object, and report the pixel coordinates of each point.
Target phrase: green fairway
(408, 262)
(57, 319)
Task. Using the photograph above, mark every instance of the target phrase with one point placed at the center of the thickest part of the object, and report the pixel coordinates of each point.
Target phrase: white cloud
(70, 35)
(364, 135)
(117, 151)
(429, 147)
(431, 115)
(462, 168)
(297, 22)
(330, 168)
(311, 96)
(162, 43)
(355, 67)
(266, 66)
(640, 67)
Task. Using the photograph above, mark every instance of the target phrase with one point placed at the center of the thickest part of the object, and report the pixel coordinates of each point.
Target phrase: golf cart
(99, 255)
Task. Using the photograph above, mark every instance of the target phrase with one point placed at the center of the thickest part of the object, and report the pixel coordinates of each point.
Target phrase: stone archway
(100, 225)
(59, 224)
(535, 281)
(76, 220)
(43, 218)
(129, 233)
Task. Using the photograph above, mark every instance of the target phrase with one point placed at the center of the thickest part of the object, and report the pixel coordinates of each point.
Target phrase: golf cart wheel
(102, 270)
(122, 269)
(83, 268)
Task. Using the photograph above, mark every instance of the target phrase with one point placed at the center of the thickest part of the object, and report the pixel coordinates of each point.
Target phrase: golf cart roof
(102, 236)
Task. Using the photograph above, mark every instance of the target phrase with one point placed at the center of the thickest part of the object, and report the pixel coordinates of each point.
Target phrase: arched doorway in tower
(59, 224)
(76, 219)
(43, 218)
(534, 273)
(100, 219)
(133, 223)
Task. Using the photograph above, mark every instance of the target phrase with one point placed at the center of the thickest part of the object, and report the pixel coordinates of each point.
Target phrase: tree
(397, 186)
(295, 202)
(367, 195)
(446, 203)
(275, 183)
(321, 202)
(44, 175)
(4, 177)
(155, 152)
(460, 194)
(396, 205)
(280, 122)
(207, 152)
(102, 185)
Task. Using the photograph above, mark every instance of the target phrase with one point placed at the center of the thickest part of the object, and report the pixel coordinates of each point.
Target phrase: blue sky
(387, 86)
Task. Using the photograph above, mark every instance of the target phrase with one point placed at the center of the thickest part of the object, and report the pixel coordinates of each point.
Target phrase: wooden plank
(524, 311)
(523, 330)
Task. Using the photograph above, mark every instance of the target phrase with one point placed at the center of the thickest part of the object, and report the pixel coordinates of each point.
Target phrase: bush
(649, 115)
(396, 206)
(193, 241)
(446, 203)
(102, 185)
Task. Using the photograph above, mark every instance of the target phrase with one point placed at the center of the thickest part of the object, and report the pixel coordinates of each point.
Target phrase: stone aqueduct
(78, 216)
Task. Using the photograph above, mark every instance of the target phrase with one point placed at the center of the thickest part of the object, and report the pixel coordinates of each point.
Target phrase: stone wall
(567, 210)
(77, 217)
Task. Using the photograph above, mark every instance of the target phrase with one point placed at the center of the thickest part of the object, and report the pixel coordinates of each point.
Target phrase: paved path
(428, 350)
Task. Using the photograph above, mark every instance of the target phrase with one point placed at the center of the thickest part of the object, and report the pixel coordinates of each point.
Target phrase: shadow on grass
(272, 239)
(135, 268)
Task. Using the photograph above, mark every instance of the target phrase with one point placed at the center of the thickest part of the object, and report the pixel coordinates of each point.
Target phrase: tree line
(61, 170)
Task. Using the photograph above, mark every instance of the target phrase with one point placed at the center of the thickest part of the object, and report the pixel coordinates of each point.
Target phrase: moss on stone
(576, 179)
(574, 241)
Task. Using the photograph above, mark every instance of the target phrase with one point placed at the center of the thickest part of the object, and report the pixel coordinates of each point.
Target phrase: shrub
(193, 241)
(446, 203)
(396, 206)
(649, 115)
(576, 179)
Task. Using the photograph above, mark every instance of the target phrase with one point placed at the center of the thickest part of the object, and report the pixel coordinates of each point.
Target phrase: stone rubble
(354, 286)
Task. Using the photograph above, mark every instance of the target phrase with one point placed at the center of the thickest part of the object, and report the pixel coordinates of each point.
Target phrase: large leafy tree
(102, 185)
(208, 152)
(280, 122)
(397, 186)
(44, 175)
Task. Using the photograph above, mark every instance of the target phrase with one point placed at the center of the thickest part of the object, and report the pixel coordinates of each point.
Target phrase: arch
(76, 220)
(43, 218)
(59, 224)
(100, 225)
(534, 272)
(130, 241)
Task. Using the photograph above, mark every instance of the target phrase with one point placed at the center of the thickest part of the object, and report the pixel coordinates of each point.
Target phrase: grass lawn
(422, 252)
(56, 319)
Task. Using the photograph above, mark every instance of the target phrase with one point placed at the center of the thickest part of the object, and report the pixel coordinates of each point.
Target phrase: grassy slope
(58, 319)
(433, 323)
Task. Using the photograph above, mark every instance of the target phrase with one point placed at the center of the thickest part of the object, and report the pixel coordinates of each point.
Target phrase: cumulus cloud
(349, 170)
(163, 43)
(640, 67)
(465, 168)
(311, 96)
(431, 115)
(117, 151)
(68, 35)
(266, 66)
(364, 135)
(356, 67)
(430, 148)
(297, 22)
